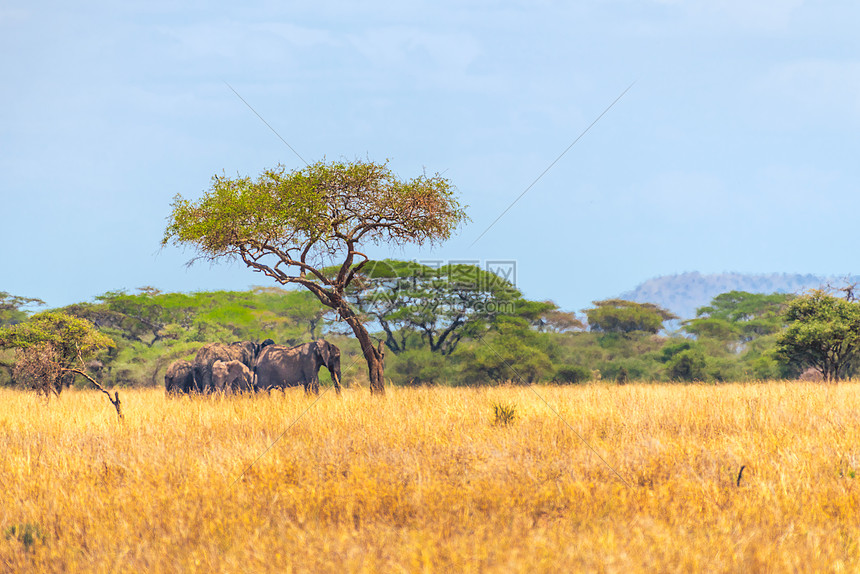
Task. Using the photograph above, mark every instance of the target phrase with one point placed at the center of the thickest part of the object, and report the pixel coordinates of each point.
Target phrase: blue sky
(735, 150)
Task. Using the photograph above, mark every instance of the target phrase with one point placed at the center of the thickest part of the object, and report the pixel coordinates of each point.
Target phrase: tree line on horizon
(463, 325)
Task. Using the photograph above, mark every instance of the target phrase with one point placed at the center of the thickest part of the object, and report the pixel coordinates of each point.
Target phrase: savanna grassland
(427, 480)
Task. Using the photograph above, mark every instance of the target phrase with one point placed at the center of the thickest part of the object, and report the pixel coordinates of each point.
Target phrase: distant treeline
(439, 330)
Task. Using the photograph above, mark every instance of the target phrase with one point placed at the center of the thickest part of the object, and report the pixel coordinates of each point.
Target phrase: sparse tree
(290, 225)
(848, 289)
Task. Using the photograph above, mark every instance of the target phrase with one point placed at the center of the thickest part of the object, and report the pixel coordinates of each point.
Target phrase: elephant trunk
(334, 369)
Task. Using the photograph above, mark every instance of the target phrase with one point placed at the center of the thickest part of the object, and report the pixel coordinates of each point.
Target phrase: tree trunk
(373, 356)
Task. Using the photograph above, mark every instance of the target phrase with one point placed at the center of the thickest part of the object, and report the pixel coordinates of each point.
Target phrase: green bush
(627, 369)
(27, 534)
(419, 367)
(503, 359)
(688, 365)
(504, 415)
(675, 346)
(572, 374)
(724, 369)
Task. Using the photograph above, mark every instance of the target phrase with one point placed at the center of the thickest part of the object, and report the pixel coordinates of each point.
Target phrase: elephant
(179, 378)
(281, 367)
(243, 351)
(232, 376)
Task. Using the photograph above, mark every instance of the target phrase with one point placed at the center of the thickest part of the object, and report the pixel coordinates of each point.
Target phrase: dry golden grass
(423, 480)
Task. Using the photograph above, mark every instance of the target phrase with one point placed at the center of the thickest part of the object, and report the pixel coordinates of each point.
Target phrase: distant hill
(684, 293)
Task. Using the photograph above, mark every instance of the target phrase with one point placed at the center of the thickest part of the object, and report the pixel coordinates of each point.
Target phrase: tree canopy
(13, 308)
(437, 305)
(290, 225)
(738, 316)
(625, 317)
(50, 345)
(823, 333)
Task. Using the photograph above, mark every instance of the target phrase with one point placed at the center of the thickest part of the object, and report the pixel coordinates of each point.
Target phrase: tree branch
(114, 400)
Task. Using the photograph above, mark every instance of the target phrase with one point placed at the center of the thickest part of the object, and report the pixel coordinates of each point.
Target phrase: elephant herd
(247, 366)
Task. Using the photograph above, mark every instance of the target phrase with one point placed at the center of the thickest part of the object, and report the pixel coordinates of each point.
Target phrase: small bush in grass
(27, 534)
(503, 415)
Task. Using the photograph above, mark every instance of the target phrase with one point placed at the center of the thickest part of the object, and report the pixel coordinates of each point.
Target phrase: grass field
(425, 480)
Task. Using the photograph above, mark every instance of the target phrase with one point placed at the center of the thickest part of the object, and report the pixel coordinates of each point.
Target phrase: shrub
(420, 367)
(688, 365)
(503, 359)
(629, 369)
(504, 415)
(27, 534)
(572, 374)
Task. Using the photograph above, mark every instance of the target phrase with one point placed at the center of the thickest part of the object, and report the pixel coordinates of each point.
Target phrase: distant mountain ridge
(685, 292)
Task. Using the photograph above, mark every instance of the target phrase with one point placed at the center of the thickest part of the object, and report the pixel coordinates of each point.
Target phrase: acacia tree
(823, 333)
(626, 317)
(51, 348)
(738, 317)
(443, 305)
(290, 225)
(439, 305)
(12, 308)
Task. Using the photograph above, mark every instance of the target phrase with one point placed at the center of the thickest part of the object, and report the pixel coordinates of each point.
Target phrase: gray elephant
(179, 378)
(280, 367)
(232, 377)
(243, 351)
